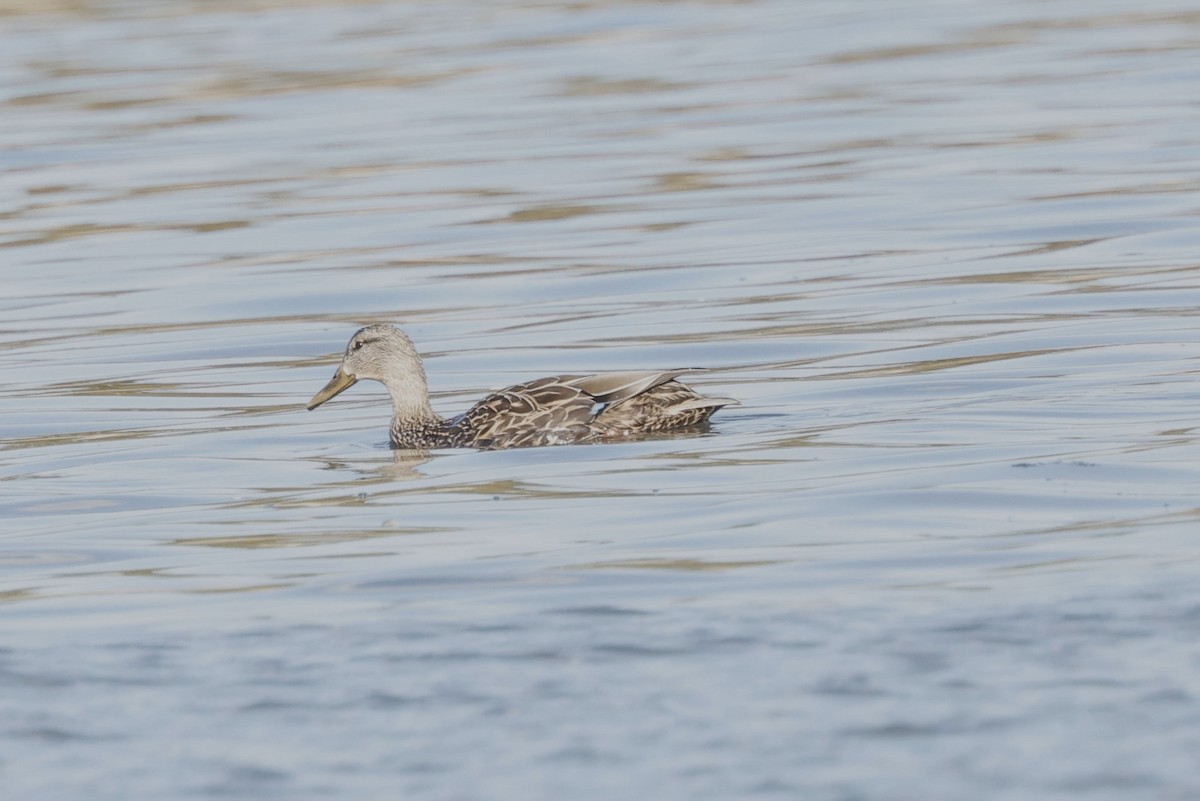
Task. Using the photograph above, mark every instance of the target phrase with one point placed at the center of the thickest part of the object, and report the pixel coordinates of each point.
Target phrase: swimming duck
(557, 410)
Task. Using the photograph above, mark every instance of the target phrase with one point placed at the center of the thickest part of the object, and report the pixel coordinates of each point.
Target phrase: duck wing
(616, 387)
(547, 411)
(662, 405)
(563, 409)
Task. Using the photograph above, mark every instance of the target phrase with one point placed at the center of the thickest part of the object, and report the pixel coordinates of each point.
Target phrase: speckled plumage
(557, 410)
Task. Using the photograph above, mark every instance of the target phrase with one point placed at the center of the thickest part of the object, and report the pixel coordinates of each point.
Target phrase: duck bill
(340, 382)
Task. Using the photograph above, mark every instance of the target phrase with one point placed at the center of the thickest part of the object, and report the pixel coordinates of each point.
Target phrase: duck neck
(410, 401)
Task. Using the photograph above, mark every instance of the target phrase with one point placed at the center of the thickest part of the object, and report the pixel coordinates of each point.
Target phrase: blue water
(943, 254)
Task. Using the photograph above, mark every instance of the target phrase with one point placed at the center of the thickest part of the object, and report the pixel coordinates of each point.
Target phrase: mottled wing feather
(542, 412)
(563, 409)
(616, 387)
(664, 406)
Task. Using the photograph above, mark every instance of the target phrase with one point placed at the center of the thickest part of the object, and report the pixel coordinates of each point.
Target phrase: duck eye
(357, 345)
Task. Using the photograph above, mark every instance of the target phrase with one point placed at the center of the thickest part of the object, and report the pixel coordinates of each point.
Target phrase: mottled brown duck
(558, 410)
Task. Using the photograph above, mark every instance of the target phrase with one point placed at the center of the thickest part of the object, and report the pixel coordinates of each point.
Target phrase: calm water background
(946, 254)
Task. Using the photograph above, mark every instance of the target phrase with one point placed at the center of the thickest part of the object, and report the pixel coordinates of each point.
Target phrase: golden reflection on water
(544, 213)
(587, 86)
(686, 565)
(936, 365)
(85, 437)
(10, 596)
(104, 8)
(259, 541)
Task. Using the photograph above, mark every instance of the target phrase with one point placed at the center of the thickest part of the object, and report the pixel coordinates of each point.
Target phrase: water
(944, 254)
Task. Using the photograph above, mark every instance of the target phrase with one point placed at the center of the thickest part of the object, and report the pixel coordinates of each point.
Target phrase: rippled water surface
(945, 254)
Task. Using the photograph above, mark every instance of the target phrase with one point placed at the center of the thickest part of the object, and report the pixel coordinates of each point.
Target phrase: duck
(556, 410)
